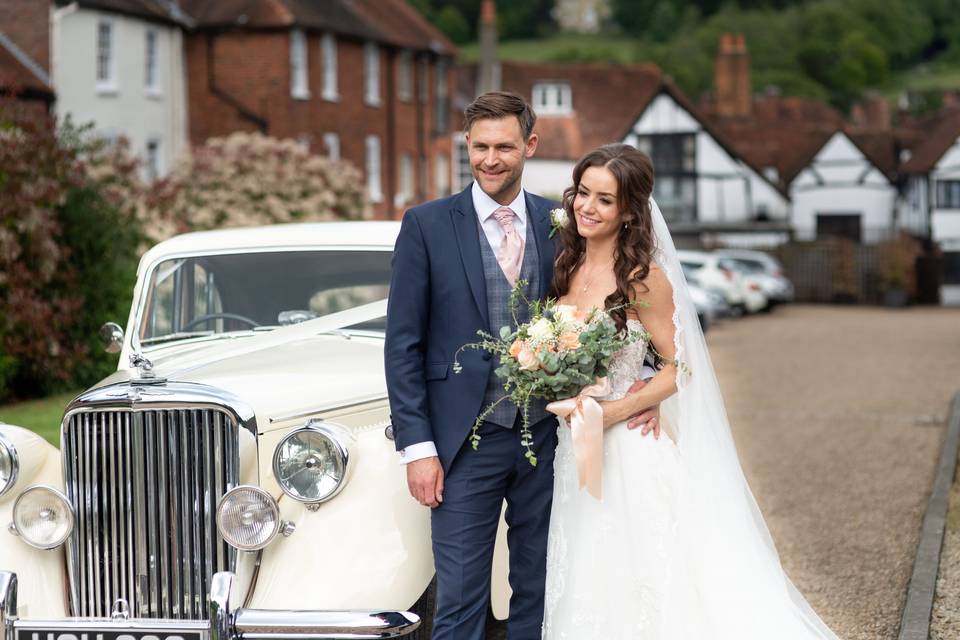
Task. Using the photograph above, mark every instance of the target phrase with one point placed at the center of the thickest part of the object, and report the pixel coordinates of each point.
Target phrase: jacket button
(487, 355)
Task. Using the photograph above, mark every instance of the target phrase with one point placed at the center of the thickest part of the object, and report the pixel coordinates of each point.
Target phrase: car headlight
(310, 463)
(43, 517)
(9, 465)
(248, 518)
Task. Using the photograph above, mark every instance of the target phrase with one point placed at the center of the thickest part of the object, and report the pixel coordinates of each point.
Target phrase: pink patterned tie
(510, 256)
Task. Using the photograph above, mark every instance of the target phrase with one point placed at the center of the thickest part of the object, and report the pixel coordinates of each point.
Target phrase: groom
(455, 263)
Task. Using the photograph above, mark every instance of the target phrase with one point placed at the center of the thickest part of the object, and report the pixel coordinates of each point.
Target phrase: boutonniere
(558, 220)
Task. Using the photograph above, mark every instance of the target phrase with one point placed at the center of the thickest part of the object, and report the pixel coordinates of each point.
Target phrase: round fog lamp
(248, 518)
(43, 517)
(9, 465)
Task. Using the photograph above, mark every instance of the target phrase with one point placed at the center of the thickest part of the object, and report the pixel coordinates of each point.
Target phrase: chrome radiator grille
(144, 485)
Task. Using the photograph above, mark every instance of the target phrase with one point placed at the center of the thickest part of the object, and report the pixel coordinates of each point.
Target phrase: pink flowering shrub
(250, 179)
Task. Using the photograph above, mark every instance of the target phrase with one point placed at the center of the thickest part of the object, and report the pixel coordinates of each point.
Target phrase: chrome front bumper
(224, 624)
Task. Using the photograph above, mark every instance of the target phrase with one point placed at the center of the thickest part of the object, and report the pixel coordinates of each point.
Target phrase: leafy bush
(250, 179)
(68, 252)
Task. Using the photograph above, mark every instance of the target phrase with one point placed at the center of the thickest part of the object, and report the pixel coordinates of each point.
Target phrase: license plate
(100, 630)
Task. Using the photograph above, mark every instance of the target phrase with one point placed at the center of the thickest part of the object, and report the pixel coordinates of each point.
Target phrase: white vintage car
(235, 478)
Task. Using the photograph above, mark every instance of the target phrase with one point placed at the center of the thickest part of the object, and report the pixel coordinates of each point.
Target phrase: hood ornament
(145, 374)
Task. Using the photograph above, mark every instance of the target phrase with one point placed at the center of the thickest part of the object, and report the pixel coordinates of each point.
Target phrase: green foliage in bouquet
(554, 356)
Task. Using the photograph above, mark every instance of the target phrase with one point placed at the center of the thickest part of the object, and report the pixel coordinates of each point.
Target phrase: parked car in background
(704, 305)
(766, 271)
(716, 273)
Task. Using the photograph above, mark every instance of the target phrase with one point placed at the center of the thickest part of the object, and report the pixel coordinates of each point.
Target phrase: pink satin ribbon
(586, 426)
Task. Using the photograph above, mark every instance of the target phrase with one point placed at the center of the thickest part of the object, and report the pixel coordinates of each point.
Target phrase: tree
(68, 253)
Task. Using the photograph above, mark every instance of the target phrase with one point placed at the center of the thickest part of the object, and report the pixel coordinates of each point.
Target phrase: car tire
(426, 608)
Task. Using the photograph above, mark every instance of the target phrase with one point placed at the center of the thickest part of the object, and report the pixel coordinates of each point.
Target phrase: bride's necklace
(589, 279)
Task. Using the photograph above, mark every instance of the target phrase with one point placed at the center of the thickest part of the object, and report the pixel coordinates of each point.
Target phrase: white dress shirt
(484, 205)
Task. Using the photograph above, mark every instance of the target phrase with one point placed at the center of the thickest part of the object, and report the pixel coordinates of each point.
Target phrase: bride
(677, 548)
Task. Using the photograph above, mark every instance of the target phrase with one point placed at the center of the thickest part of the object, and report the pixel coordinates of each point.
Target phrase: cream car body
(365, 548)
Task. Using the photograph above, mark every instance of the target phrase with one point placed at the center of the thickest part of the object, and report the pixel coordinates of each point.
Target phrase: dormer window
(552, 99)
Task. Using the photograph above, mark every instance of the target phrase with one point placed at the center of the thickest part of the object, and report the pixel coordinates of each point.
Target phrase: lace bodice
(626, 365)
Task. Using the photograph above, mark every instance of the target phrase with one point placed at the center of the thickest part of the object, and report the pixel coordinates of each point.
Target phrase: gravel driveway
(838, 414)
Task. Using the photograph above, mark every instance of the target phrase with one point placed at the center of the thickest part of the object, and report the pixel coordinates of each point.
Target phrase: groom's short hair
(501, 104)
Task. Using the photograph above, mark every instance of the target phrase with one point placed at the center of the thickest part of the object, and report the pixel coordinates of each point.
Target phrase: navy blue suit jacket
(437, 303)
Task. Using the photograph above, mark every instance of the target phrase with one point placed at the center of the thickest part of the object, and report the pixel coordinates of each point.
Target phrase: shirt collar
(485, 205)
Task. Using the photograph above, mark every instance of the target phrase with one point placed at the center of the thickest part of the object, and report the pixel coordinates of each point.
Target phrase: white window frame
(441, 174)
(299, 85)
(460, 158)
(552, 98)
(331, 143)
(374, 164)
(328, 54)
(423, 78)
(107, 83)
(151, 70)
(371, 74)
(405, 76)
(404, 192)
(152, 162)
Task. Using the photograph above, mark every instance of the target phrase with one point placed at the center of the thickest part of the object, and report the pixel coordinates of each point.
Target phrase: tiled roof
(155, 10)
(607, 102)
(18, 72)
(940, 136)
(388, 21)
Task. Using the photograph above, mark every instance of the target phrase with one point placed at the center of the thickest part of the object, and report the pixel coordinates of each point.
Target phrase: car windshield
(750, 266)
(189, 297)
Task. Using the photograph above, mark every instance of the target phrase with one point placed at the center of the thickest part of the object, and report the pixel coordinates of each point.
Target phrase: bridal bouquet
(559, 353)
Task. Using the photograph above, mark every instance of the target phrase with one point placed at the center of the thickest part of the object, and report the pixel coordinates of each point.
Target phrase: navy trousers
(464, 529)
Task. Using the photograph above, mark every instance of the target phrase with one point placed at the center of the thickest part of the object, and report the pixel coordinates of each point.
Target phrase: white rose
(541, 330)
(559, 216)
(566, 313)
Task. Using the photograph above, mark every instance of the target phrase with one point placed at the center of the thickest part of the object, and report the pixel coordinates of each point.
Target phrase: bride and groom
(676, 549)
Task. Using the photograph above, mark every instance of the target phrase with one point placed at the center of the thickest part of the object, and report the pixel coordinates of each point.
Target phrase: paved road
(838, 414)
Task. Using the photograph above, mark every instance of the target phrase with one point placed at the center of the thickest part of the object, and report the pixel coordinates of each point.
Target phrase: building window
(106, 72)
(839, 225)
(374, 191)
(298, 65)
(462, 175)
(405, 76)
(442, 175)
(951, 267)
(404, 180)
(423, 181)
(552, 98)
(151, 77)
(948, 194)
(332, 143)
(152, 163)
(675, 189)
(423, 79)
(328, 52)
(441, 115)
(371, 74)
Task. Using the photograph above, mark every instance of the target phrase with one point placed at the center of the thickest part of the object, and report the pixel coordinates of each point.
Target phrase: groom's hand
(649, 419)
(425, 480)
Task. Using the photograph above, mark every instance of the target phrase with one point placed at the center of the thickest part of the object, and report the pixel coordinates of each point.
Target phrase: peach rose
(528, 360)
(569, 341)
(515, 348)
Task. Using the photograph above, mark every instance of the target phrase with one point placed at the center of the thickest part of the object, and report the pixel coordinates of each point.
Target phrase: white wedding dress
(677, 549)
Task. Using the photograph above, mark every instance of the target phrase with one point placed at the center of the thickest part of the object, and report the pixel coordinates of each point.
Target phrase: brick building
(367, 81)
(25, 59)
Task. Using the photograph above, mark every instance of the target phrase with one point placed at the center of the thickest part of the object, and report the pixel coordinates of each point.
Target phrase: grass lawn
(41, 416)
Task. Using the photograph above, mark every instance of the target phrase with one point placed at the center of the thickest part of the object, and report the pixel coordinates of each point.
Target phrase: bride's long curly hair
(635, 237)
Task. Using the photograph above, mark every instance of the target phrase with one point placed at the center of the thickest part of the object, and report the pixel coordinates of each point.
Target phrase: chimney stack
(488, 78)
(732, 77)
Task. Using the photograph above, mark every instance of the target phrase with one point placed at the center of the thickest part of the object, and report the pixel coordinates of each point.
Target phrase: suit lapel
(539, 217)
(464, 218)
